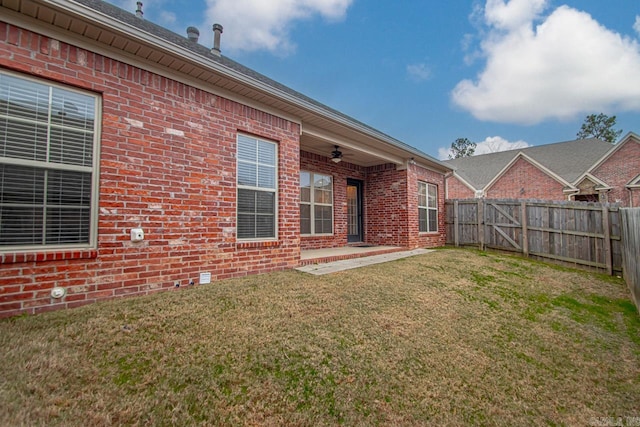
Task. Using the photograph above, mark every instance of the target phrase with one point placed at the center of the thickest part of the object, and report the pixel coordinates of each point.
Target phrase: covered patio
(360, 194)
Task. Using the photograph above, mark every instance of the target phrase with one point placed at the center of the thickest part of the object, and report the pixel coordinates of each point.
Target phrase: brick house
(133, 159)
(580, 170)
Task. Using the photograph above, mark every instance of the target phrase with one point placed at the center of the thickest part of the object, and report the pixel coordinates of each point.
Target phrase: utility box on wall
(137, 235)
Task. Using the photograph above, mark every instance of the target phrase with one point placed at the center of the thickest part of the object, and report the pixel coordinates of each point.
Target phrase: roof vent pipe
(193, 34)
(139, 11)
(217, 30)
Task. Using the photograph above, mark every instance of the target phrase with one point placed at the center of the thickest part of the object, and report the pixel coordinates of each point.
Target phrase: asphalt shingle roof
(568, 160)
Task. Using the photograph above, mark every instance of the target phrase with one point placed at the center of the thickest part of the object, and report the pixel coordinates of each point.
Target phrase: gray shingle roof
(182, 41)
(569, 160)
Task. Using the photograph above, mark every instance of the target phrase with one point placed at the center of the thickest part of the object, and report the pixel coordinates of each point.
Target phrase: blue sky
(501, 73)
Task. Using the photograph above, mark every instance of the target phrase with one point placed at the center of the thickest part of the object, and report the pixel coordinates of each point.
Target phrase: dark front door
(354, 210)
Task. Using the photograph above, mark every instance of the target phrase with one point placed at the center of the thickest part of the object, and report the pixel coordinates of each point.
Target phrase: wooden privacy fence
(631, 251)
(588, 234)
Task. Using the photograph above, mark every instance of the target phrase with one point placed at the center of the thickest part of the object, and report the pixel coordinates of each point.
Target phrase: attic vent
(139, 12)
(193, 33)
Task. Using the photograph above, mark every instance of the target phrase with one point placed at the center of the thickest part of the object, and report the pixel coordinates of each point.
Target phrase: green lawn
(452, 337)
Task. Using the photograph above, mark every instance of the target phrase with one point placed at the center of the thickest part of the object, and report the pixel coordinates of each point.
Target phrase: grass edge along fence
(586, 234)
(631, 248)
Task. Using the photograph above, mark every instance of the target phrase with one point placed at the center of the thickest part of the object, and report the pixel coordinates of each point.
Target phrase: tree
(462, 147)
(599, 126)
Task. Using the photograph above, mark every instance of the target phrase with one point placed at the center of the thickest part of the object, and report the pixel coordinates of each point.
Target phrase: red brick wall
(523, 180)
(167, 165)
(386, 212)
(457, 190)
(417, 239)
(618, 170)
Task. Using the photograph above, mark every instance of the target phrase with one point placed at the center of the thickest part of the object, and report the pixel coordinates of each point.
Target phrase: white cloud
(443, 153)
(636, 25)
(491, 144)
(251, 25)
(167, 18)
(494, 144)
(512, 14)
(567, 65)
(419, 72)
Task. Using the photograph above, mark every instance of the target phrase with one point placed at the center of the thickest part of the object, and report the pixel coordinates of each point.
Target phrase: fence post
(523, 221)
(481, 223)
(456, 237)
(607, 240)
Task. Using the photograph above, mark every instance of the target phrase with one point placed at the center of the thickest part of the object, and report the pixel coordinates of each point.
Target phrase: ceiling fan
(336, 155)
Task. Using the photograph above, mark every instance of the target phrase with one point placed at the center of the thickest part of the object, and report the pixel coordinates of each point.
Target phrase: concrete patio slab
(308, 254)
(347, 264)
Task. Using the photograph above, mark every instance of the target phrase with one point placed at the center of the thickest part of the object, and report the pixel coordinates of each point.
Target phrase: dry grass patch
(451, 337)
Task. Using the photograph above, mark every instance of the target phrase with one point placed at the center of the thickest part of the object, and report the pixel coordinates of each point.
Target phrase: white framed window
(316, 203)
(257, 161)
(48, 165)
(427, 207)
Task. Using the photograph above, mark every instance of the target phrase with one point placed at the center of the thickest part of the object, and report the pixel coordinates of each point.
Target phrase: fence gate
(503, 226)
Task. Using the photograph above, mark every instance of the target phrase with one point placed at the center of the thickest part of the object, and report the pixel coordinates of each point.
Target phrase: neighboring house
(133, 159)
(582, 170)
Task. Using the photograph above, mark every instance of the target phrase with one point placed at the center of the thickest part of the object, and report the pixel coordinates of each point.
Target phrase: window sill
(257, 244)
(18, 257)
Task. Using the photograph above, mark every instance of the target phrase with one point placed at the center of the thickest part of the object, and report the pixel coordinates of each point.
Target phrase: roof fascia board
(629, 136)
(430, 168)
(535, 163)
(634, 183)
(134, 32)
(413, 162)
(30, 24)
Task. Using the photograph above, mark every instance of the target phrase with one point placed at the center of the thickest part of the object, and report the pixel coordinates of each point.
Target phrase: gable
(588, 183)
(621, 165)
(627, 151)
(524, 179)
(521, 166)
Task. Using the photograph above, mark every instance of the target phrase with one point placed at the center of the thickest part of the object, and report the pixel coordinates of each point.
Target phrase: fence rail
(631, 250)
(587, 234)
